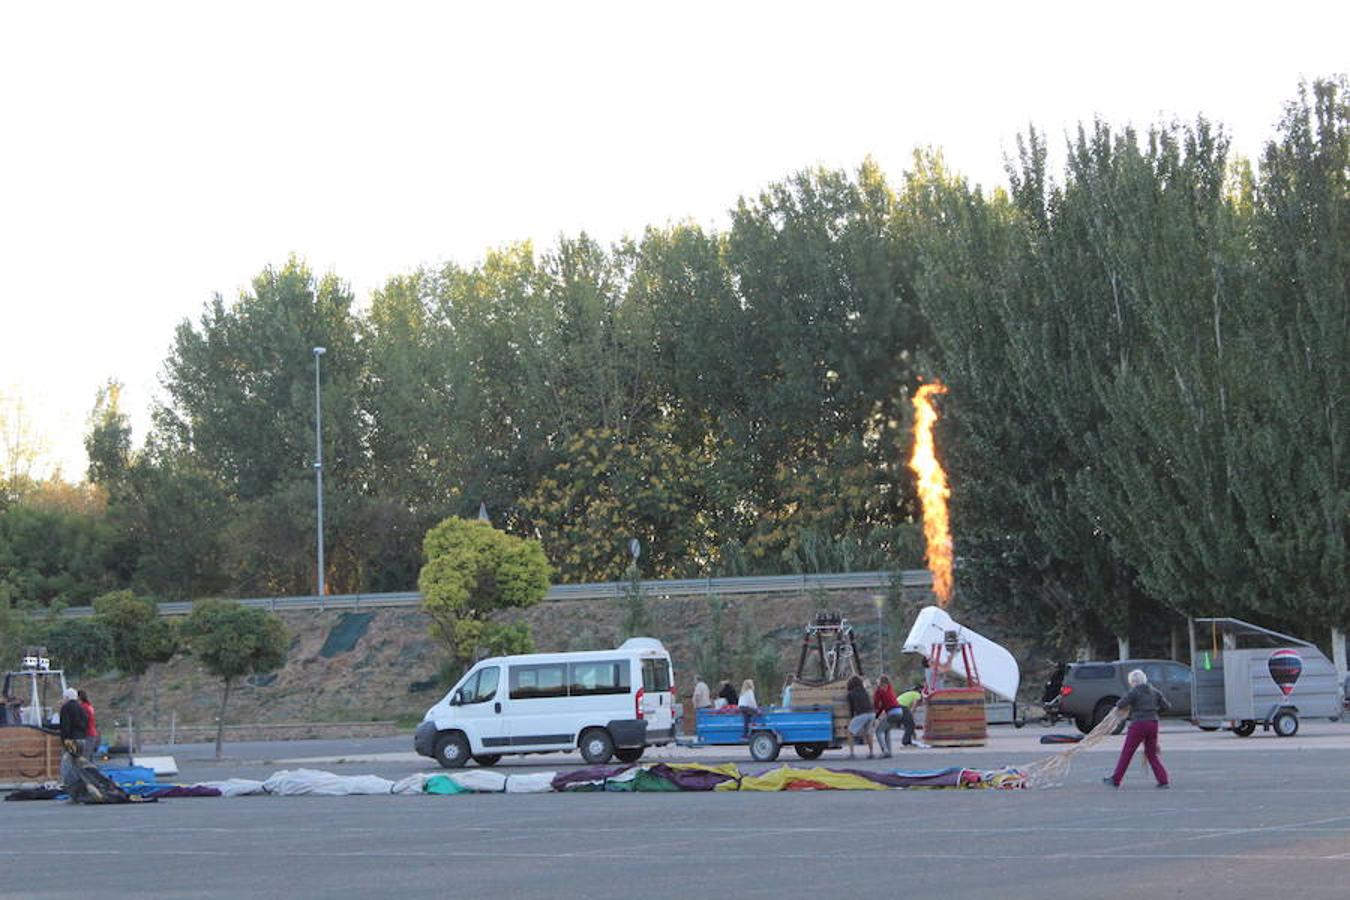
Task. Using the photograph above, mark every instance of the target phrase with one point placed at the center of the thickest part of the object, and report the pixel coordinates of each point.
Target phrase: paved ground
(1258, 817)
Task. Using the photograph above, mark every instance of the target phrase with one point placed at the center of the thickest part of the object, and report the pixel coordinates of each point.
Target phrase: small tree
(472, 571)
(140, 637)
(233, 641)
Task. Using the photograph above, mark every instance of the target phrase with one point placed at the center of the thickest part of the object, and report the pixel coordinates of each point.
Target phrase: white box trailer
(1244, 675)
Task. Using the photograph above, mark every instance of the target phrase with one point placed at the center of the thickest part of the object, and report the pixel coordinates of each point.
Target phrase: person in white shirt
(702, 696)
(749, 706)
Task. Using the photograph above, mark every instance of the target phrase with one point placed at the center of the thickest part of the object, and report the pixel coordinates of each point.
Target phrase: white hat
(69, 694)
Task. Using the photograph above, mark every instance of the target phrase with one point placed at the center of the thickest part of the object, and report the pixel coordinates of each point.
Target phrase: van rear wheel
(451, 750)
(597, 747)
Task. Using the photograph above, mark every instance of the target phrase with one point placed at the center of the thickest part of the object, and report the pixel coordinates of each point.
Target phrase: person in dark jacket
(727, 694)
(74, 729)
(1145, 702)
(861, 718)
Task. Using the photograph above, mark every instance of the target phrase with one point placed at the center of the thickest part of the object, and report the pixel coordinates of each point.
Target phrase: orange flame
(933, 492)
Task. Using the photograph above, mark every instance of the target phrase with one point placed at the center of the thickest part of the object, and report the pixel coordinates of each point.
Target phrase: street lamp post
(880, 602)
(318, 465)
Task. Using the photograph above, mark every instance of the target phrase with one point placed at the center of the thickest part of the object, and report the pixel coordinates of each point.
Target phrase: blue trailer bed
(809, 730)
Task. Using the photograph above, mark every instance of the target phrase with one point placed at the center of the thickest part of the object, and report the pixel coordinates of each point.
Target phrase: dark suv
(1086, 691)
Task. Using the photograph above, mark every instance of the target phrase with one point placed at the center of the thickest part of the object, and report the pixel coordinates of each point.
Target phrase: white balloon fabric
(295, 782)
(996, 667)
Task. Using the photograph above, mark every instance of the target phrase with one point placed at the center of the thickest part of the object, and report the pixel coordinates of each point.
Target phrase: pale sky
(154, 154)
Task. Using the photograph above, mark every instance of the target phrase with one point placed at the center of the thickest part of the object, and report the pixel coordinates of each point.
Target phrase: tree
(57, 548)
(233, 641)
(17, 629)
(82, 647)
(108, 441)
(139, 636)
(472, 571)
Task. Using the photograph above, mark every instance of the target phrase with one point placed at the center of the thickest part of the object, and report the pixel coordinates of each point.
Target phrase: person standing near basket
(861, 718)
(1145, 702)
(91, 739)
(73, 725)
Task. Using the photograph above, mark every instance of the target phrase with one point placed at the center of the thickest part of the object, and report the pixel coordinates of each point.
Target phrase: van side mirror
(457, 699)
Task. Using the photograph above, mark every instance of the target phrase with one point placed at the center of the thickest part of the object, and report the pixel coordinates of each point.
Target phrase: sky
(153, 155)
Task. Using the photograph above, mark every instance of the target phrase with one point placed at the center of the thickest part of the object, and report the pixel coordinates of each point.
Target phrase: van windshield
(655, 675)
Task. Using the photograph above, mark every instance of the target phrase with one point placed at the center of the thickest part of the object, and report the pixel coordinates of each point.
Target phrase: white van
(607, 703)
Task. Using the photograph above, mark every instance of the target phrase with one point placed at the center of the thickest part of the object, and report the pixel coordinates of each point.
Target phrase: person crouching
(861, 717)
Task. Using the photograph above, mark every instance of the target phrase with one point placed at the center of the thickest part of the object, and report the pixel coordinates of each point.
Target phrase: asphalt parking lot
(1246, 818)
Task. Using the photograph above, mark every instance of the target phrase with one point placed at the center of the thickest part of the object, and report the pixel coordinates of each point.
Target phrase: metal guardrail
(678, 587)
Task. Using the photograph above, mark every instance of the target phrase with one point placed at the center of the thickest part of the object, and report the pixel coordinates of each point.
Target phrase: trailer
(810, 731)
(1244, 675)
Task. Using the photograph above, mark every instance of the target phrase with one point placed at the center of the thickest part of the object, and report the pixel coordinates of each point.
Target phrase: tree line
(1145, 348)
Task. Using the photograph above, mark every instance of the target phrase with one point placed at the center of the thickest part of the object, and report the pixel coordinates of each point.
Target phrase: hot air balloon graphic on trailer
(1285, 667)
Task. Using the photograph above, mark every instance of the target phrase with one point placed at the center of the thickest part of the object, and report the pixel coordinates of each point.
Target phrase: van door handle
(497, 707)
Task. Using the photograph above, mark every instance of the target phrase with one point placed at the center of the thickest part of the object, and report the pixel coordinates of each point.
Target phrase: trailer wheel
(451, 750)
(596, 746)
(1285, 723)
(628, 754)
(488, 759)
(764, 746)
(1245, 728)
(809, 751)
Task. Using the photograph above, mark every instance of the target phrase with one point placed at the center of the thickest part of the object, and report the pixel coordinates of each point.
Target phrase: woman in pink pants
(1145, 703)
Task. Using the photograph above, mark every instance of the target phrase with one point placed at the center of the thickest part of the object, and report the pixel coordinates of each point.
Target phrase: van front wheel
(596, 746)
(451, 750)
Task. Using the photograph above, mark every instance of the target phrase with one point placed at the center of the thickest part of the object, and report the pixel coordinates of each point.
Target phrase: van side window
(599, 677)
(655, 675)
(481, 686)
(543, 680)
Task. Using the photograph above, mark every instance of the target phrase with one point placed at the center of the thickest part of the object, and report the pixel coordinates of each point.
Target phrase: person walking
(73, 725)
(861, 717)
(91, 726)
(1145, 702)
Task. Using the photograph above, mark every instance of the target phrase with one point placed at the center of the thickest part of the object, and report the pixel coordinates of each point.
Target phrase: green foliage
(232, 640)
(81, 647)
(472, 571)
(54, 554)
(140, 637)
(1146, 355)
(17, 630)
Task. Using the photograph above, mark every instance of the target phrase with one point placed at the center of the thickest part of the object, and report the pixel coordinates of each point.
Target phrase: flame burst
(933, 492)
